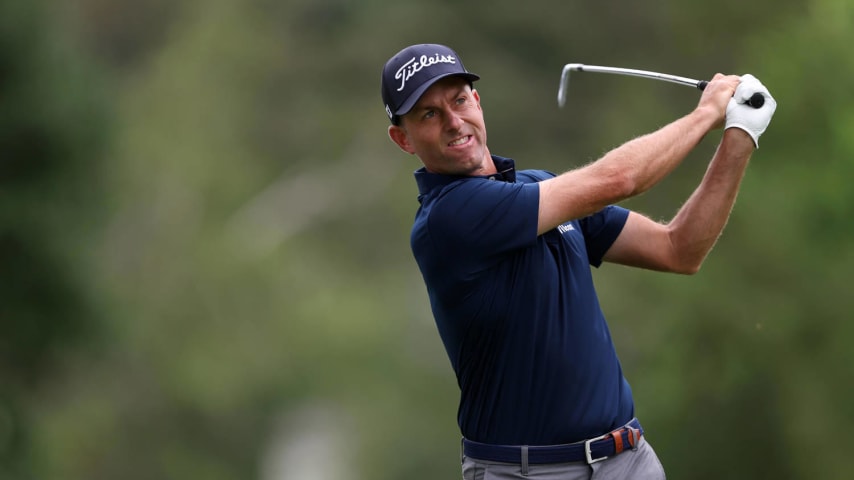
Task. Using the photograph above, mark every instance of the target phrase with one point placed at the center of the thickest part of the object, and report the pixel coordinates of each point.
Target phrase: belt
(590, 451)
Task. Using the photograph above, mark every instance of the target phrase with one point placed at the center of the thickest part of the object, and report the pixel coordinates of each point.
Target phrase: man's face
(445, 129)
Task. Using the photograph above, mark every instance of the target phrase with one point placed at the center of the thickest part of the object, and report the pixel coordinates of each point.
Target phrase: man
(506, 257)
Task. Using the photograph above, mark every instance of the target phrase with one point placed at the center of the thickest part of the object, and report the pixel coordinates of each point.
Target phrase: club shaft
(757, 100)
(580, 67)
(633, 72)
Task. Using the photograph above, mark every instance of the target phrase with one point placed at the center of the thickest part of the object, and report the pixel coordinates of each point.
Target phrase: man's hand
(715, 97)
(754, 121)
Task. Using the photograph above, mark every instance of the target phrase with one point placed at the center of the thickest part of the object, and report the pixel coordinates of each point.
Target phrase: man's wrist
(707, 117)
(737, 137)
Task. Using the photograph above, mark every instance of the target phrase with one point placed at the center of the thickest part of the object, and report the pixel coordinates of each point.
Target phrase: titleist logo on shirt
(412, 67)
(565, 228)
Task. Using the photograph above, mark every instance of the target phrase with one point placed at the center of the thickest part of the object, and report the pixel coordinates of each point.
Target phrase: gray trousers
(639, 464)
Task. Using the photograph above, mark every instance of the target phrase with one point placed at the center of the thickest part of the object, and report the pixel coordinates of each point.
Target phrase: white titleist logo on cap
(412, 67)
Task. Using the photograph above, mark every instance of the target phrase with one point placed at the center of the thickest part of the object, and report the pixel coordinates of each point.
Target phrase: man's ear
(398, 135)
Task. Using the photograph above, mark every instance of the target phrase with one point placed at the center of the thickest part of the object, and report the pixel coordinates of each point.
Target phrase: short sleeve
(601, 230)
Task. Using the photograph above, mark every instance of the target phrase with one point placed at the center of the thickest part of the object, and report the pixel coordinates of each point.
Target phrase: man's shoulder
(451, 185)
(531, 176)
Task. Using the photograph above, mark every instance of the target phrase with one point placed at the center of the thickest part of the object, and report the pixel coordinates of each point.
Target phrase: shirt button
(492, 178)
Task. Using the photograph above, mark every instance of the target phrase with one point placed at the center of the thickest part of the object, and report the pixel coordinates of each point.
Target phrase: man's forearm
(648, 159)
(626, 171)
(698, 224)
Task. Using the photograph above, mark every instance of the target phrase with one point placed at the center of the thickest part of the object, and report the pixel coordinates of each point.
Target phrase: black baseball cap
(408, 74)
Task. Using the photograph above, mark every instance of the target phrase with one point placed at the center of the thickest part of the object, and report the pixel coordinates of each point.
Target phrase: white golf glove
(739, 114)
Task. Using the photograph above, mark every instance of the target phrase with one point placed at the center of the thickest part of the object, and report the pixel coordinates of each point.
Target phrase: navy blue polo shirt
(518, 313)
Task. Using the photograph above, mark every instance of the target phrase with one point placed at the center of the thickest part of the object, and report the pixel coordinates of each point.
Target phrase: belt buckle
(587, 453)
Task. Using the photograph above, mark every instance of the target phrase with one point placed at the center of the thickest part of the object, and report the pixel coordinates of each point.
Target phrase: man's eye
(461, 100)
(429, 114)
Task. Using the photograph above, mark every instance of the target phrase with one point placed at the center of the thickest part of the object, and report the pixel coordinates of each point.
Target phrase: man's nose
(453, 121)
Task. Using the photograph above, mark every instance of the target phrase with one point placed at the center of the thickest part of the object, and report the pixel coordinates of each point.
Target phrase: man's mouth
(460, 141)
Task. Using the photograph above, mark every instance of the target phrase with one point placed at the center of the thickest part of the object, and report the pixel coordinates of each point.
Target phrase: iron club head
(564, 82)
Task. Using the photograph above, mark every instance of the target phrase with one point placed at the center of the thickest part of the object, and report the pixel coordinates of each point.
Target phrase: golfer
(506, 255)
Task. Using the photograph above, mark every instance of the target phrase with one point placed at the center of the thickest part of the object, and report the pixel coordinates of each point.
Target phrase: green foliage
(51, 129)
(204, 234)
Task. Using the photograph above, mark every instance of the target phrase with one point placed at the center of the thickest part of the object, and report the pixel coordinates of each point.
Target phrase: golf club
(756, 101)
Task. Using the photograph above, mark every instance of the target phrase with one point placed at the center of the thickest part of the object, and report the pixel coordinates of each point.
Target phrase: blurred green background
(204, 234)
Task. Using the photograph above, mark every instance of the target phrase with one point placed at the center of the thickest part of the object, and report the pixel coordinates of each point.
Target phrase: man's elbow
(688, 270)
(684, 260)
(687, 265)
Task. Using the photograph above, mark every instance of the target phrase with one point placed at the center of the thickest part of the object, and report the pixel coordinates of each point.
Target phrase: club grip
(755, 101)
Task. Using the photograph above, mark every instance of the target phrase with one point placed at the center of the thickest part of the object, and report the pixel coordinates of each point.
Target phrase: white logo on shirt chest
(565, 228)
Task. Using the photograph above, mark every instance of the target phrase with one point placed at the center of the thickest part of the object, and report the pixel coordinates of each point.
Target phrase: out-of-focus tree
(52, 132)
(242, 259)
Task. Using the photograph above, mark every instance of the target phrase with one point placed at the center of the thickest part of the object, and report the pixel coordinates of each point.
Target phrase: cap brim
(413, 98)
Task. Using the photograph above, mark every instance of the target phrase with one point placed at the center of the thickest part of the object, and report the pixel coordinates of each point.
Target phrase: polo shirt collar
(428, 181)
